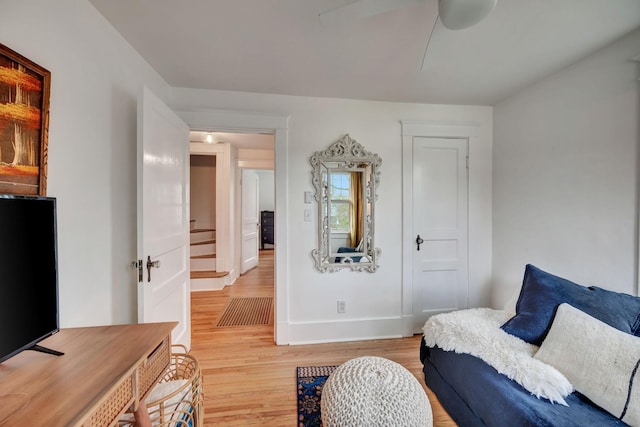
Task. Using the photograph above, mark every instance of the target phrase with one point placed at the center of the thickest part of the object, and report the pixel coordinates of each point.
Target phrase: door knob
(150, 264)
(419, 241)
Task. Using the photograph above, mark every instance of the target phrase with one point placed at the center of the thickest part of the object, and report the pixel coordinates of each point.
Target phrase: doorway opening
(276, 127)
(202, 221)
(232, 181)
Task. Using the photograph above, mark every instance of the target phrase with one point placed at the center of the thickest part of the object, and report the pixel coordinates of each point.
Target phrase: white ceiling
(250, 141)
(279, 46)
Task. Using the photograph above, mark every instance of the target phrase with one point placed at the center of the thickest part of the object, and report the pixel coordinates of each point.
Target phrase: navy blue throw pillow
(542, 293)
(343, 249)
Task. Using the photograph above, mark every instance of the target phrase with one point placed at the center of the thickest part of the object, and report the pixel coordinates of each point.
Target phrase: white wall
(203, 191)
(565, 175)
(267, 190)
(373, 301)
(255, 159)
(95, 78)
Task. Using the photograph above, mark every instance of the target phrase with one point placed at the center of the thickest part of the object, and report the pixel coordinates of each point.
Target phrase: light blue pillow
(542, 293)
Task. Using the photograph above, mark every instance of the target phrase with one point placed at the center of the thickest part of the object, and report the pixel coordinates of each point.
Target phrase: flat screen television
(28, 273)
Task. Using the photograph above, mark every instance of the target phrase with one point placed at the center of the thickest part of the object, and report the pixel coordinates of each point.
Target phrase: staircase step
(202, 234)
(202, 230)
(204, 256)
(208, 274)
(204, 249)
(203, 242)
(203, 263)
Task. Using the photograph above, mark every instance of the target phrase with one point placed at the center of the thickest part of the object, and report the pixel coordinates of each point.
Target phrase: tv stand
(106, 371)
(42, 349)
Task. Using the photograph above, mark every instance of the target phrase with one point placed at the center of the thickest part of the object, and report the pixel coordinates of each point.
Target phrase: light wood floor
(249, 381)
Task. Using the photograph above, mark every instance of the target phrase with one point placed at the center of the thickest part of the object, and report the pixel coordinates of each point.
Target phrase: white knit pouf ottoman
(374, 392)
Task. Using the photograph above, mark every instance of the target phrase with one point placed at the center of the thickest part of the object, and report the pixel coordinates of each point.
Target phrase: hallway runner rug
(310, 380)
(247, 312)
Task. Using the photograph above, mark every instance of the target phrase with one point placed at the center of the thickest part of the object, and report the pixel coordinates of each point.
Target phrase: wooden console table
(105, 371)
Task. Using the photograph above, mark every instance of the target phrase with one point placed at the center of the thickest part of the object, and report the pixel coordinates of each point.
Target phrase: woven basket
(177, 400)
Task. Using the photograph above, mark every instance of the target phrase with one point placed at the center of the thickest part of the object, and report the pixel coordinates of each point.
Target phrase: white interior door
(163, 216)
(250, 220)
(440, 219)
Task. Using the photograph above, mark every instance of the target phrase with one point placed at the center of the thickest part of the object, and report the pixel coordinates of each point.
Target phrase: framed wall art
(24, 122)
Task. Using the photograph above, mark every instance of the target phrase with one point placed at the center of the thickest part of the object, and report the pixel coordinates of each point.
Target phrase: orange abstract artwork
(24, 114)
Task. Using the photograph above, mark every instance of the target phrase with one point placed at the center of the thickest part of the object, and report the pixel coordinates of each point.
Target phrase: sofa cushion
(601, 362)
(541, 293)
(344, 249)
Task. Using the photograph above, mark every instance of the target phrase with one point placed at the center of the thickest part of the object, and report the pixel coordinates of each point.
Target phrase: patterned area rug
(311, 379)
(246, 312)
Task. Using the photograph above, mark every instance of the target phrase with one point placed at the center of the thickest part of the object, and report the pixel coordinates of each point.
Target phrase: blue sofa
(475, 394)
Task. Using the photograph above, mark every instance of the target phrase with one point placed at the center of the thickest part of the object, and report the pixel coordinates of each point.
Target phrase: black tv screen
(28, 272)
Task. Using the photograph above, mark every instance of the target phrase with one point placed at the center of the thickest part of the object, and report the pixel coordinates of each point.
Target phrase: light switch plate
(307, 197)
(307, 214)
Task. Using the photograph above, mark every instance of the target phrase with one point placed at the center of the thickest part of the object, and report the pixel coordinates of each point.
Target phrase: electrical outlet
(342, 306)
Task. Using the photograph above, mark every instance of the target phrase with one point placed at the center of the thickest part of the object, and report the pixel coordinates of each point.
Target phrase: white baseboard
(213, 284)
(407, 325)
(348, 330)
(282, 333)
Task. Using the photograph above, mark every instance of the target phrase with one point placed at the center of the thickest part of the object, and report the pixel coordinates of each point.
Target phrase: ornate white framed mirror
(346, 177)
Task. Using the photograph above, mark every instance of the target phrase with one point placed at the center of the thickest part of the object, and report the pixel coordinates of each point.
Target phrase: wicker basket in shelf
(177, 400)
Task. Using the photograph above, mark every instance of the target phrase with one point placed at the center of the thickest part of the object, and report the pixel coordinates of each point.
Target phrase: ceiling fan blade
(360, 9)
(426, 48)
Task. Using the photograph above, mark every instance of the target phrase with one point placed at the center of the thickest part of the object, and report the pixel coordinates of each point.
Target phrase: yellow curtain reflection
(357, 214)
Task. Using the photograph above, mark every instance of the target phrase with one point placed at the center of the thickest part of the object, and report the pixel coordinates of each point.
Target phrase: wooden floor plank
(250, 381)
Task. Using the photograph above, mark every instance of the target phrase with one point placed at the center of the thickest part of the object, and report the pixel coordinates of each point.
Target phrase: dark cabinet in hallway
(266, 228)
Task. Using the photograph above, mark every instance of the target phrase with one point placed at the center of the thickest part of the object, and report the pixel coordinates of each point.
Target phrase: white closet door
(440, 219)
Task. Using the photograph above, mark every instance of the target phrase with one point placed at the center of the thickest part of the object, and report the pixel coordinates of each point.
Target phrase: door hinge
(467, 162)
(138, 264)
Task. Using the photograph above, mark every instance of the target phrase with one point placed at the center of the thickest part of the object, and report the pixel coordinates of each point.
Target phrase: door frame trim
(411, 130)
(255, 122)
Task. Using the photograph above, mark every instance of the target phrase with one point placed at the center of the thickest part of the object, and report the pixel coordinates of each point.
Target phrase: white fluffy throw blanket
(477, 332)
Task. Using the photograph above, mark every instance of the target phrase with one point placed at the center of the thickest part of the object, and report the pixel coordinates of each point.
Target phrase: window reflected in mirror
(341, 201)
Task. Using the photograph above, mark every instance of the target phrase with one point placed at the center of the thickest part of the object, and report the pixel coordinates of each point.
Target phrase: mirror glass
(345, 177)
